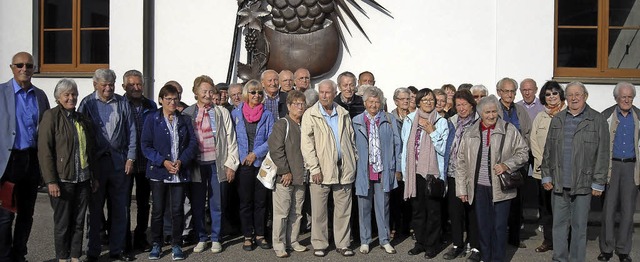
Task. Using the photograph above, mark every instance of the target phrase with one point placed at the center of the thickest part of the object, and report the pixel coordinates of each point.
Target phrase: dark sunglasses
(21, 65)
(256, 92)
(555, 93)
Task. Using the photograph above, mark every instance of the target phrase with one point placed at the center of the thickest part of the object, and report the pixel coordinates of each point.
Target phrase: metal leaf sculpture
(250, 16)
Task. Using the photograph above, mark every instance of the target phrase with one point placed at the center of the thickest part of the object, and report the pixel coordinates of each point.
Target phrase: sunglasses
(21, 65)
(555, 93)
(256, 92)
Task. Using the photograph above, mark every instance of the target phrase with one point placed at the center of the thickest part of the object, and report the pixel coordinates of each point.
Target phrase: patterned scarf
(206, 141)
(461, 124)
(422, 160)
(254, 114)
(375, 158)
(553, 110)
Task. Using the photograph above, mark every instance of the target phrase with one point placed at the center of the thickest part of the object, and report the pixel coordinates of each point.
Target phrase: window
(597, 38)
(74, 35)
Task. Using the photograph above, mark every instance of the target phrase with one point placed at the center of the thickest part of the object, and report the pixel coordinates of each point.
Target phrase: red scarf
(488, 128)
(254, 114)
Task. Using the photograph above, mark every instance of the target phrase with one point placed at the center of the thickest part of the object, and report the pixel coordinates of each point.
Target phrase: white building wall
(425, 44)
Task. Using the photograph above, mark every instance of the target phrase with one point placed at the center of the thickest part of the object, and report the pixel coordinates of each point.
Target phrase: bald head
(286, 80)
(269, 79)
(302, 79)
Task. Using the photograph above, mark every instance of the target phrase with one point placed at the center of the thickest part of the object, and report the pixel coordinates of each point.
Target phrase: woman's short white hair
(64, 85)
(487, 100)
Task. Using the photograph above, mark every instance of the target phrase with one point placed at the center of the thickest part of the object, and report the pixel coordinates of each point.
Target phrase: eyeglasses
(21, 65)
(299, 104)
(171, 99)
(554, 93)
(254, 92)
(508, 91)
(478, 96)
(427, 101)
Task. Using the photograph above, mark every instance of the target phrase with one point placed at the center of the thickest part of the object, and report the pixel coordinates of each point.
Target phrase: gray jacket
(612, 120)
(590, 153)
(226, 149)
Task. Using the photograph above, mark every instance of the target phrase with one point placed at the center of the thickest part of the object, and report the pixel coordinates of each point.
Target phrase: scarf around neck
(254, 114)
(421, 153)
(553, 110)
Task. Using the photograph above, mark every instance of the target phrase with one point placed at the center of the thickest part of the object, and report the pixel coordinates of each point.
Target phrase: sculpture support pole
(232, 57)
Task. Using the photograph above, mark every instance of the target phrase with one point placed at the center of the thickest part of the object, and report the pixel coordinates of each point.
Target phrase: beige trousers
(341, 215)
(287, 213)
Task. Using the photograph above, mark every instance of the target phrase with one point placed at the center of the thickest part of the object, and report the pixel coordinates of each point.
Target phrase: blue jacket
(438, 138)
(156, 145)
(391, 147)
(122, 144)
(260, 147)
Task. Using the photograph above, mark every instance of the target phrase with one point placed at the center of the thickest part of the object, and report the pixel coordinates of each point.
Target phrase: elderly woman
(552, 97)
(479, 162)
(169, 144)
(253, 127)
(441, 101)
(378, 142)
(65, 152)
(288, 196)
(400, 210)
(412, 98)
(424, 137)
(461, 214)
(450, 90)
(217, 160)
(478, 92)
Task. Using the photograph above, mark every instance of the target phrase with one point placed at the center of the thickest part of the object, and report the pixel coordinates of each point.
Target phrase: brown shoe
(544, 248)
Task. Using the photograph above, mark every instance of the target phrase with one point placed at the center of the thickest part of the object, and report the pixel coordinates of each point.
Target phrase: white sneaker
(216, 247)
(200, 247)
(389, 249)
(298, 248)
(364, 249)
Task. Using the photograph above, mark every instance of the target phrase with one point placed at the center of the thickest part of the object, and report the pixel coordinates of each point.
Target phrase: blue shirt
(570, 127)
(271, 104)
(511, 115)
(26, 117)
(109, 114)
(623, 146)
(332, 121)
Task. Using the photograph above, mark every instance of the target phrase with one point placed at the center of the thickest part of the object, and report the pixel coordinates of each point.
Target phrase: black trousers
(22, 170)
(426, 217)
(515, 219)
(143, 194)
(253, 200)
(173, 195)
(69, 210)
(546, 213)
(400, 210)
(463, 217)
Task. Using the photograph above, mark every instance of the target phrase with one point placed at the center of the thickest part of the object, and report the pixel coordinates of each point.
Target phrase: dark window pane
(57, 13)
(57, 47)
(620, 13)
(95, 13)
(577, 47)
(578, 12)
(624, 52)
(94, 47)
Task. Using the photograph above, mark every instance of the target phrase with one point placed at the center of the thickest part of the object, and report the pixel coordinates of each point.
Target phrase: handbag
(7, 197)
(435, 187)
(509, 181)
(268, 169)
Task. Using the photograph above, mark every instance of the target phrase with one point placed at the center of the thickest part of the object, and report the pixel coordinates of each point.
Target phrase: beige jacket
(539, 130)
(514, 154)
(319, 148)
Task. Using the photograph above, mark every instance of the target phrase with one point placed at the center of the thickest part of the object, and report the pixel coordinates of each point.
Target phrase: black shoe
(604, 256)
(474, 257)
(122, 257)
(624, 258)
(167, 240)
(142, 246)
(90, 259)
(453, 253)
(415, 251)
(429, 254)
(262, 243)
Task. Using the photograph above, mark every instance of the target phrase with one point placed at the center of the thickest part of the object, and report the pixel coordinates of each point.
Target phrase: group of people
(435, 165)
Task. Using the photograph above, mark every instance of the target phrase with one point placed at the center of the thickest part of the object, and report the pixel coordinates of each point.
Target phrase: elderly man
(22, 107)
(302, 79)
(116, 141)
(365, 78)
(623, 176)
(575, 164)
(328, 149)
(133, 84)
(235, 95)
(518, 116)
(269, 80)
(347, 97)
(530, 101)
(223, 90)
(286, 80)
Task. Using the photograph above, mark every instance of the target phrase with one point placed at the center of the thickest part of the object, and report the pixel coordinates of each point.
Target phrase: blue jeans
(492, 224)
(114, 184)
(162, 194)
(377, 198)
